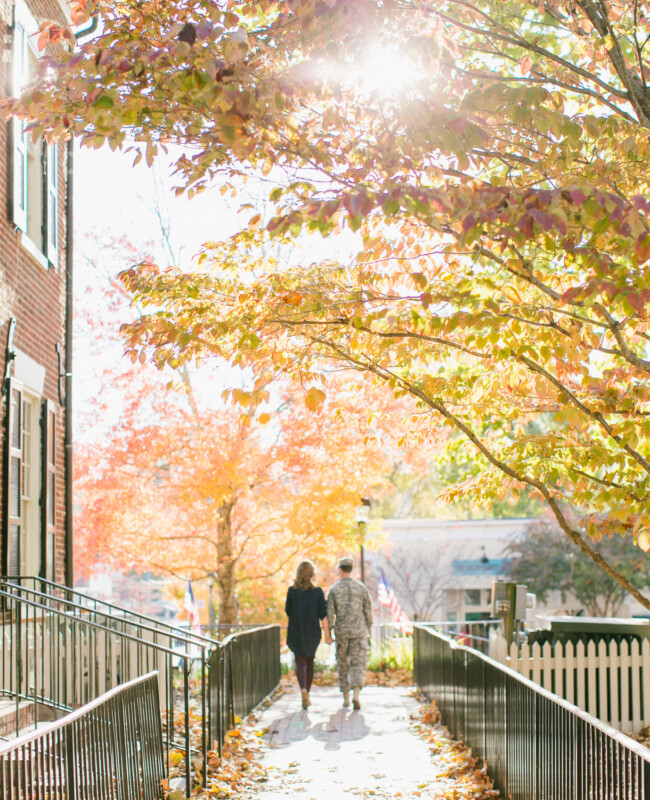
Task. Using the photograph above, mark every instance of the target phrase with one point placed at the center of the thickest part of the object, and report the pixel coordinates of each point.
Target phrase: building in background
(444, 569)
(35, 320)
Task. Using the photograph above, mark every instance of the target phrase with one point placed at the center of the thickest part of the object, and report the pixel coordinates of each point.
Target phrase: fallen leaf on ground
(468, 779)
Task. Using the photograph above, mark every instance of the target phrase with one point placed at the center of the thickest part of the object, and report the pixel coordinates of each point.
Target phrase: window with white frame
(35, 206)
(30, 556)
(49, 488)
(15, 504)
(31, 465)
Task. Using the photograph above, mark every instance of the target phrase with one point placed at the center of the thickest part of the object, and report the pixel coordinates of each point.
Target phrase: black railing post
(16, 658)
(205, 717)
(230, 684)
(484, 711)
(70, 765)
(188, 752)
(221, 687)
(120, 756)
(537, 747)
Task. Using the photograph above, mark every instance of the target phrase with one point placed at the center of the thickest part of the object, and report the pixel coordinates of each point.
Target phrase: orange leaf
(643, 248)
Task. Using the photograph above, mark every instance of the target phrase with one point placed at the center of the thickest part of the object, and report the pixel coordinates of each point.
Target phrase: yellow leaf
(314, 398)
(512, 294)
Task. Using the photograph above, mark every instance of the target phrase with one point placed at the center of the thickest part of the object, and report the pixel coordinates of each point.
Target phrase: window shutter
(19, 137)
(13, 505)
(48, 489)
(52, 203)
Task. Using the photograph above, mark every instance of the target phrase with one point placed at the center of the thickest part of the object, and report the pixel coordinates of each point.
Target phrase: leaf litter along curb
(468, 780)
(238, 768)
(643, 736)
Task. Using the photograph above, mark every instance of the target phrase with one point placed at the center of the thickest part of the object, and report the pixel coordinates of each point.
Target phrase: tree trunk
(226, 567)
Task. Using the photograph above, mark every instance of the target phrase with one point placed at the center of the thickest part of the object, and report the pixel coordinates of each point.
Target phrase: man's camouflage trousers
(352, 660)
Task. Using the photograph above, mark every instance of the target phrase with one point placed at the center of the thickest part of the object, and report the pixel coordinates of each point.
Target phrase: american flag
(386, 597)
(189, 604)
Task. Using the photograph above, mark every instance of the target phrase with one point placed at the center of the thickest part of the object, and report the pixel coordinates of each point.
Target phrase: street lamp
(362, 515)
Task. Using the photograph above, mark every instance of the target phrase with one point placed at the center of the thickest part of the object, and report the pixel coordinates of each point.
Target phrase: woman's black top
(305, 608)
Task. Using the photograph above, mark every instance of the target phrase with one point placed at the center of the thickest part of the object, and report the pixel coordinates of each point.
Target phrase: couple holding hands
(347, 615)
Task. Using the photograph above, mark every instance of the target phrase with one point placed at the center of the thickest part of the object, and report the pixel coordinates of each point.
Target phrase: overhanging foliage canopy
(493, 153)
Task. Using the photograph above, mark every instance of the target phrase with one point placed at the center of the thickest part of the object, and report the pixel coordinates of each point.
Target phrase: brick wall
(32, 294)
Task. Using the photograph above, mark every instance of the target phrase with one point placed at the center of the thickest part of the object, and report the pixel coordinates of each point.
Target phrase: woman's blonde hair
(305, 575)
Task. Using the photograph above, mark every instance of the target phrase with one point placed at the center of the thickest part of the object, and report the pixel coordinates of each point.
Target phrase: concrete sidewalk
(329, 752)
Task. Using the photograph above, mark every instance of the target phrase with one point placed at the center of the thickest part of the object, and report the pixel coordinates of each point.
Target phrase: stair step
(14, 717)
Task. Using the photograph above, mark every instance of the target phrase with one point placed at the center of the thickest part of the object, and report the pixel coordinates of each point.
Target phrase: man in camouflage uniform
(349, 612)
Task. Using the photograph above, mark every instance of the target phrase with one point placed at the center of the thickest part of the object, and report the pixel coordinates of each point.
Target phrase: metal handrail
(233, 676)
(95, 625)
(71, 608)
(242, 674)
(637, 747)
(72, 716)
(460, 630)
(108, 749)
(536, 743)
(108, 654)
(113, 609)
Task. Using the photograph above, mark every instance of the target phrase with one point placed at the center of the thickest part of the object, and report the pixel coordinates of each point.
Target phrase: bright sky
(112, 194)
(113, 199)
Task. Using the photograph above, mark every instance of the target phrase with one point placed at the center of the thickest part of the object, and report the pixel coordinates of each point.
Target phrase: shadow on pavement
(342, 726)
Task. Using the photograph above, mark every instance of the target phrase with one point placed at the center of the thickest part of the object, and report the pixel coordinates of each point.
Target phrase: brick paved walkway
(329, 752)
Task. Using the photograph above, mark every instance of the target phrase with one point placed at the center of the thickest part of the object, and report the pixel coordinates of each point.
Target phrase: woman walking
(306, 609)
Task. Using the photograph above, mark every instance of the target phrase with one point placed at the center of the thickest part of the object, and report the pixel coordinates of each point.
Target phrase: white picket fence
(610, 681)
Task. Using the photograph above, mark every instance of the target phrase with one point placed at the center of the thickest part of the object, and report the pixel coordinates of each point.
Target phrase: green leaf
(104, 102)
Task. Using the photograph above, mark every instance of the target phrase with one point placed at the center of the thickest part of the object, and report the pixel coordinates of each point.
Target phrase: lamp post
(570, 558)
(363, 513)
(211, 581)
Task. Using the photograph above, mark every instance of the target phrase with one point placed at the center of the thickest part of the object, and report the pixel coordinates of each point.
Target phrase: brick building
(35, 352)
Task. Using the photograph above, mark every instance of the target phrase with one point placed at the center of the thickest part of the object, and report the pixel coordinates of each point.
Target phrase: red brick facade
(33, 292)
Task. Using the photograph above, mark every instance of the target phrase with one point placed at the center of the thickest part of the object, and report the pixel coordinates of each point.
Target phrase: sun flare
(388, 73)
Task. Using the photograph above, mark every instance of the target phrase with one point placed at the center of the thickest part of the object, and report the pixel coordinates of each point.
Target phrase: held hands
(329, 640)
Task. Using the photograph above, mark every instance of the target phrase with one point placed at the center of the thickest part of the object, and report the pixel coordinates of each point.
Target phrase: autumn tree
(542, 559)
(220, 495)
(493, 154)
(173, 480)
